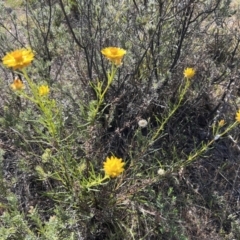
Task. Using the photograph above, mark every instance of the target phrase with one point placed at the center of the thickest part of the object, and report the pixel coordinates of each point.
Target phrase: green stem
(41, 104)
(97, 182)
(182, 94)
(27, 97)
(191, 157)
(101, 95)
(30, 84)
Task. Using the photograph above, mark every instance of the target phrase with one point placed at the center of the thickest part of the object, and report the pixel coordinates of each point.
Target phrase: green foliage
(57, 188)
(15, 226)
(13, 223)
(166, 207)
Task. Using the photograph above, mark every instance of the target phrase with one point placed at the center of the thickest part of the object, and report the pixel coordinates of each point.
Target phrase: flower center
(114, 51)
(18, 56)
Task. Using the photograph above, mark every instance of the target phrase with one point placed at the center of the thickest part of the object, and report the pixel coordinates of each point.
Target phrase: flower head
(189, 72)
(43, 90)
(142, 123)
(113, 166)
(17, 85)
(221, 123)
(161, 172)
(18, 59)
(237, 118)
(114, 54)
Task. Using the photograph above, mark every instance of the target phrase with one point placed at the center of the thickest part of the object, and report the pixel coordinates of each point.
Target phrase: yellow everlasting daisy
(189, 72)
(18, 59)
(238, 116)
(43, 90)
(113, 166)
(114, 54)
(17, 85)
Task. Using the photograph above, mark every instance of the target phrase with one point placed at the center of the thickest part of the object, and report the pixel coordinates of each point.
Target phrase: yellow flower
(17, 84)
(43, 90)
(113, 166)
(18, 59)
(114, 54)
(238, 116)
(221, 123)
(189, 72)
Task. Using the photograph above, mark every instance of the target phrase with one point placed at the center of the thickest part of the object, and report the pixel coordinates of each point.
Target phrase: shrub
(109, 104)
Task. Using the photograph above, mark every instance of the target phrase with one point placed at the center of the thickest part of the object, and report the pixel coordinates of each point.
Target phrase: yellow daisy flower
(113, 166)
(114, 54)
(18, 59)
(17, 85)
(43, 90)
(189, 72)
(238, 116)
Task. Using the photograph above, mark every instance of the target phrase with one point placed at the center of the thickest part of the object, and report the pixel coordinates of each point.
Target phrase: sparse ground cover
(119, 119)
